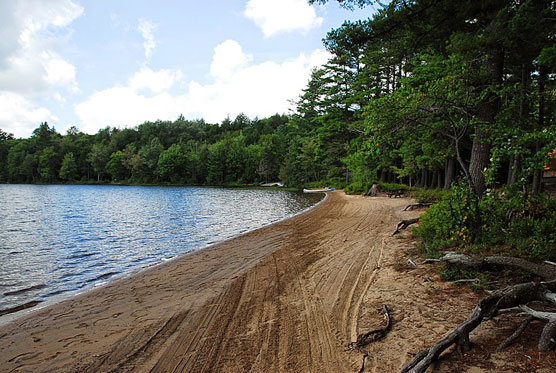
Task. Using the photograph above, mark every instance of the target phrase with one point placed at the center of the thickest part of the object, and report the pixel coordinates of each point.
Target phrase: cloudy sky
(98, 63)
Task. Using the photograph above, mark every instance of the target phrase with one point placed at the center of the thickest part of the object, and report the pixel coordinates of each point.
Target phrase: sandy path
(288, 297)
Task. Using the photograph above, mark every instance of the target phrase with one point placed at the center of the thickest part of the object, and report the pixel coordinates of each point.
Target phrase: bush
(434, 229)
(357, 188)
(506, 221)
(430, 195)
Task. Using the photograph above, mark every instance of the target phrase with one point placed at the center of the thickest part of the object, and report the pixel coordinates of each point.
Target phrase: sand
(285, 298)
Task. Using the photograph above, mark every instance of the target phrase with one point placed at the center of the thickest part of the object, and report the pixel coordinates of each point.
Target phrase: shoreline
(25, 310)
(287, 297)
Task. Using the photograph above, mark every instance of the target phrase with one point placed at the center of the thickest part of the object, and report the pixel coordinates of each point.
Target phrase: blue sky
(99, 63)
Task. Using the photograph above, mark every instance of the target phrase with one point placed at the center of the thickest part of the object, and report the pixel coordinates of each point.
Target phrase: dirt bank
(288, 297)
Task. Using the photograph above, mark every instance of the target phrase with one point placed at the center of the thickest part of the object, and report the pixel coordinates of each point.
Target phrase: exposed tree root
(508, 341)
(373, 335)
(543, 270)
(415, 206)
(513, 296)
(362, 369)
(404, 224)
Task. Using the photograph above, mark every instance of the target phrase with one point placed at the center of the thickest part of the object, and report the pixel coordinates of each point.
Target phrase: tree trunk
(515, 167)
(536, 187)
(515, 162)
(450, 172)
(488, 108)
(383, 175)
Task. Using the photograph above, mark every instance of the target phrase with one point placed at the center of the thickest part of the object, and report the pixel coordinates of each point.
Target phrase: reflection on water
(58, 239)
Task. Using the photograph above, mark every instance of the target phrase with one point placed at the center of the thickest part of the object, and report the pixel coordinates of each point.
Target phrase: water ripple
(55, 240)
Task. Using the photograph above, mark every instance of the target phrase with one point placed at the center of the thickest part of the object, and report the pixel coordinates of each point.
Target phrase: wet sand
(287, 297)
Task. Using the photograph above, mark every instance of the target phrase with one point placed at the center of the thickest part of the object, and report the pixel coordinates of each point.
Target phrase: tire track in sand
(284, 298)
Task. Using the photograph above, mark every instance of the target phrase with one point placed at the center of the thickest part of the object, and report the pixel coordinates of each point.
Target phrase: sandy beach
(288, 297)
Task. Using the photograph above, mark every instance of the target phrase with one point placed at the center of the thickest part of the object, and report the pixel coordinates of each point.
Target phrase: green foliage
(435, 229)
(357, 188)
(517, 224)
(46, 168)
(392, 186)
(116, 167)
(68, 170)
(430, 195)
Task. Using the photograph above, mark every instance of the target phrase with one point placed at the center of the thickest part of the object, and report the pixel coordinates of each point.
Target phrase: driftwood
(415, 206)
(543, 270)
(404, 224)
(489, 307)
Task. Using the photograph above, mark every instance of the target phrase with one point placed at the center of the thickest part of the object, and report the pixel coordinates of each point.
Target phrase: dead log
(373, 335)
(415, 206)
(404, 224)
(543, 270)
(487, 308)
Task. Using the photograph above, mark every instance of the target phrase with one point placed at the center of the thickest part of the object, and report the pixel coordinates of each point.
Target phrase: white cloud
(155, 81)
(146, 28)
(31, 35)
(21, 117)
(255, 89)
(59, 98)
(123, 106)
(275, 16)
(228, 58)
(59, 72)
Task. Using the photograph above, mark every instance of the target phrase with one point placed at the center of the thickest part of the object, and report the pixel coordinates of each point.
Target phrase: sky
(97, 63)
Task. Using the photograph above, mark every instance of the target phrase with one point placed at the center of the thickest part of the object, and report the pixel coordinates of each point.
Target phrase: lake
(57, 240)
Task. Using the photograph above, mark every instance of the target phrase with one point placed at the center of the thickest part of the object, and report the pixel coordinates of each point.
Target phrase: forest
(437, 94)
(418, 94)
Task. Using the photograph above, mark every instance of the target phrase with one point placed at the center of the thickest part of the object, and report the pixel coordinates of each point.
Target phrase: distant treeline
(419, 93)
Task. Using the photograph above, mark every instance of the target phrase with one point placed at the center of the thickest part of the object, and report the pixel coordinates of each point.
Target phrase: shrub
(357, 188)
(506, 220)
(430, 195)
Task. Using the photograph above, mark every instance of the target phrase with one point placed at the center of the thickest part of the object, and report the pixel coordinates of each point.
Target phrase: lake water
(56, 240)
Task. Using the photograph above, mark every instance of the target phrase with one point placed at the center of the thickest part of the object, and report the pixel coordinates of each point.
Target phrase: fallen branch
(373, 335)
(487, 308)
(409, 261)
(404, 224)
(415, 206)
